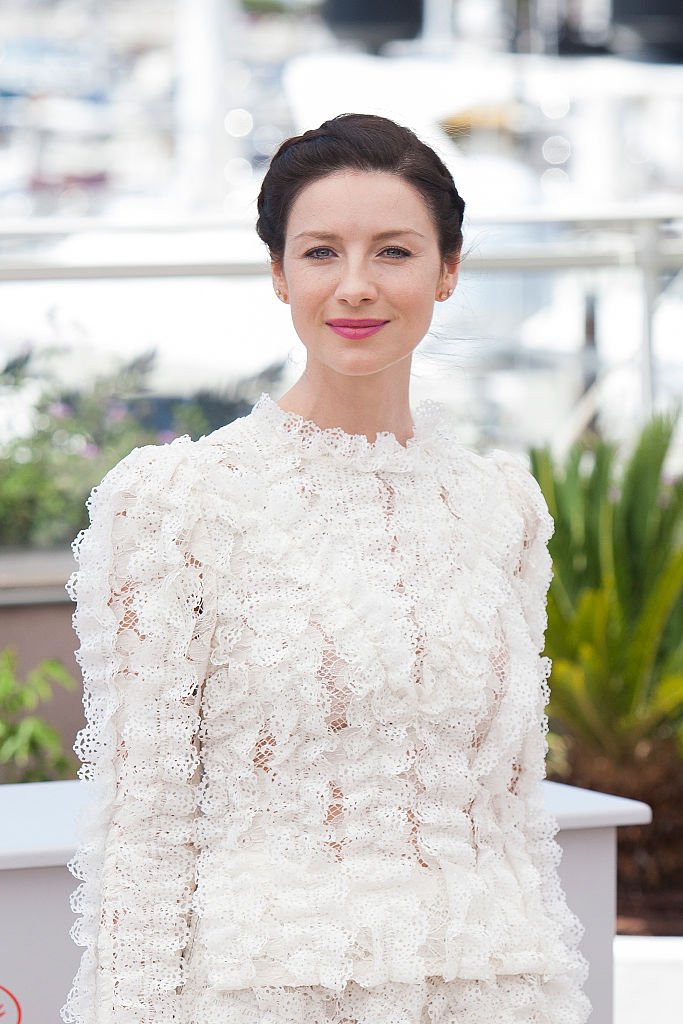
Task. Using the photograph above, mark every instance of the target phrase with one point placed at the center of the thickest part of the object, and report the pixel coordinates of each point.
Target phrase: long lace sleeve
(531, 574)
(145, 597)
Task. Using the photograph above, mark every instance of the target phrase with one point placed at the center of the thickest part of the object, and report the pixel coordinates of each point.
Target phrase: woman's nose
(356, 283)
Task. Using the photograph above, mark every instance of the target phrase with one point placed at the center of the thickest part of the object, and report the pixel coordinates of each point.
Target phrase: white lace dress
(315, 735)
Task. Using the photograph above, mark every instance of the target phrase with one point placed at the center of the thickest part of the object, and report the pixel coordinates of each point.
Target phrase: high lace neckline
(430, 434)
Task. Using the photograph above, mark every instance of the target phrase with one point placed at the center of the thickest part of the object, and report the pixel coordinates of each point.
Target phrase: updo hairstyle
(363, 142)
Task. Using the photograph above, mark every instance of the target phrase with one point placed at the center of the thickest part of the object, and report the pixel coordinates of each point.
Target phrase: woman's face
(361, 246)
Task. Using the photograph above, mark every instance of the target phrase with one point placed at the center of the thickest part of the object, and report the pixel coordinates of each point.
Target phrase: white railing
(646, 237)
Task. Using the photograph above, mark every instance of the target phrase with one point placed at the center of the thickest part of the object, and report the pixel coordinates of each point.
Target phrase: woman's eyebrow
(330, 236)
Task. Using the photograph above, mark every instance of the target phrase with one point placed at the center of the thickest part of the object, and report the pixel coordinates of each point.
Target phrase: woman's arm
(537, 828)
(532, 573)
(145, 613)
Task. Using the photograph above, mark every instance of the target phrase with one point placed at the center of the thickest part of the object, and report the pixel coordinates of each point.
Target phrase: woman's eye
(396, 252)
(319, 253)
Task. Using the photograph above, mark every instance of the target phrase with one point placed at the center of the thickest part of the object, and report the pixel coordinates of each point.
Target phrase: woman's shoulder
(506, 470)
(499, 468)
(503, 495)
(152, 465)
(232, 444)
(520, 483)
(145, 469)
(524, 494)
(181, 472)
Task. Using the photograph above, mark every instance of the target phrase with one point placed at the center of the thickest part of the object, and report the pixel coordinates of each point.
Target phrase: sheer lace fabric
(315, 735)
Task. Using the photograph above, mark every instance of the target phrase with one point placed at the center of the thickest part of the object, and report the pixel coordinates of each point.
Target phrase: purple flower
(90, 451)
(60, 410)
(116, 412)
(166, 436)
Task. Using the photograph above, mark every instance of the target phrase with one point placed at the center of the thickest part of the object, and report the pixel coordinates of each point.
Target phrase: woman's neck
(356, 411)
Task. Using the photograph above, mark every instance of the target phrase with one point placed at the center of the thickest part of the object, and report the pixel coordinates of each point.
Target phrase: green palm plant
(615, 636)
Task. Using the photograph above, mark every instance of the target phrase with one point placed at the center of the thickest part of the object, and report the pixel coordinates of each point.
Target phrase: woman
(311, 645)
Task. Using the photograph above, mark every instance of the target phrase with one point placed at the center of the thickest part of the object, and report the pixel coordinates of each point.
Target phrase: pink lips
(352, 329)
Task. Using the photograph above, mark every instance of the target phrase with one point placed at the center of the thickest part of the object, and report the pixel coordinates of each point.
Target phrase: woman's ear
(279, 282)
(448, 279)
(451, 271)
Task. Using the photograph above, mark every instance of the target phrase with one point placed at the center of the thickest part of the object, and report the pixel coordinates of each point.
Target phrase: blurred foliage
(76, 438)
(615, 634)
(264, 6)
(30, 749)
(288, 7)
(78, 435)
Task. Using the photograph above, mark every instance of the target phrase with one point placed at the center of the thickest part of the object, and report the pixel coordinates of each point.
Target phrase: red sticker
(10, 1011)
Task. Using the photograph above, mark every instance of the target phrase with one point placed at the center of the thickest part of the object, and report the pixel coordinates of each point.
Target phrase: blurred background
(134, 137)
(136, 305)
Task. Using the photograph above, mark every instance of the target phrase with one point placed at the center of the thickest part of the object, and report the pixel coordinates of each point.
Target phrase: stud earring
(280, 295)
(446, 294)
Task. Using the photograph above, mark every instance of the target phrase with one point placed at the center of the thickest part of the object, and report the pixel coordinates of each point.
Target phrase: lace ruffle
(308, 442)
(509, 999)
(369, 824)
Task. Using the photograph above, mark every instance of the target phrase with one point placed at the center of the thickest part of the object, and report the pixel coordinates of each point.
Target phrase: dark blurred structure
(373, 23)
(573, 40)
(648, 29)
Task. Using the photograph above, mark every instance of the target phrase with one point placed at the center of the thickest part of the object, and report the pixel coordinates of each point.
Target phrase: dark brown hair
(364, 142)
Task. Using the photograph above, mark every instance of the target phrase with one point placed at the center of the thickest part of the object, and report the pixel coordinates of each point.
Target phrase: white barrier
(648, 979)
